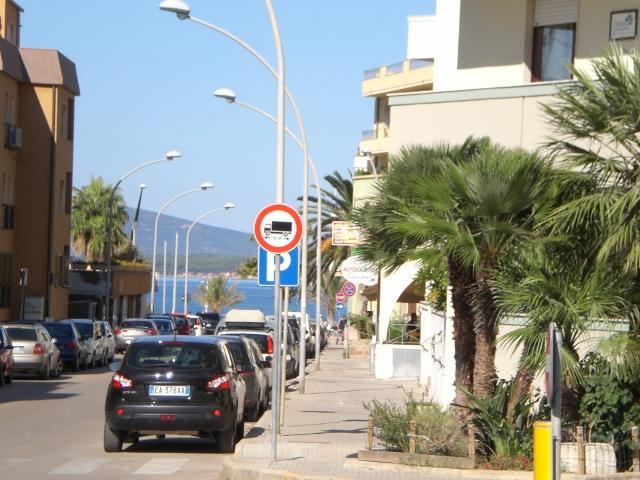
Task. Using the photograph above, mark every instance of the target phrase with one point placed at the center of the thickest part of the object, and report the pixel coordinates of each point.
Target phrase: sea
(255, 297)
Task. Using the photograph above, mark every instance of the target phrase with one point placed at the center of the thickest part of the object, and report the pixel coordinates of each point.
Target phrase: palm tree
(469, 204)
(89, 213)
(249, 269)
(336, 205)
(596, 133)
(216, 295)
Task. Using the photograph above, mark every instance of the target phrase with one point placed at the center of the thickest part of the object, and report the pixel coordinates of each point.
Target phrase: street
(54, 428)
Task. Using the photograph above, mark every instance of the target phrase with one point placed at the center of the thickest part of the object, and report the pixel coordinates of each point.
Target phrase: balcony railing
(368, 135)
(396, 68)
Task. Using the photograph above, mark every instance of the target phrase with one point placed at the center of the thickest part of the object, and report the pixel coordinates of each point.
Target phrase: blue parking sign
(289, 268)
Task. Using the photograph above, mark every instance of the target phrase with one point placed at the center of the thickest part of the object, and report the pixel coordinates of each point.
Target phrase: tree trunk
(461, 279)
(521, 388)
(485, 328)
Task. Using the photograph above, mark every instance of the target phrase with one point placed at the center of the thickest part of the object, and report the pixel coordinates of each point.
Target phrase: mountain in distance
(204, 241)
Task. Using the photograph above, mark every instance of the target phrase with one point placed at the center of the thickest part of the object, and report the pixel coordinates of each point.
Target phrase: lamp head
(226, 94)
(143, 186)
(206, 185)
(172, 155)
(179, 7)
(229, 205)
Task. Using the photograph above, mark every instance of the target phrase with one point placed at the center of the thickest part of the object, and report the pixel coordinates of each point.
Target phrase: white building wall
(422, 37)
(446, 50)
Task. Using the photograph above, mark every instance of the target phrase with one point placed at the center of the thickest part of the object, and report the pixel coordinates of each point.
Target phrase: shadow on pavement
(173, 445)
(34, 390)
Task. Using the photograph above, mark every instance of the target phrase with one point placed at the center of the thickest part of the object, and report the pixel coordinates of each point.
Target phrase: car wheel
(59, 367)
(45, 373)
(2, 377)
(227, 440)
(253, 414)
(112, 440)
(240, 431)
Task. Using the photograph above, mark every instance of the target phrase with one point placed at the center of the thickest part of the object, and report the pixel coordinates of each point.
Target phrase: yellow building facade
(37, 98)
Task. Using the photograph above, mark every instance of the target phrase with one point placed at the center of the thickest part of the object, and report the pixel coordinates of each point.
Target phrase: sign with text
(346, 234)
(289, 268)
(624, 25)
(356, 271)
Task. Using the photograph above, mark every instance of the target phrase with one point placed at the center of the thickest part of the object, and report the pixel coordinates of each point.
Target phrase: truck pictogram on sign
(278, 228)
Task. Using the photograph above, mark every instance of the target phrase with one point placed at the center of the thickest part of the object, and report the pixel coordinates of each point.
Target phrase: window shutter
(555, 12)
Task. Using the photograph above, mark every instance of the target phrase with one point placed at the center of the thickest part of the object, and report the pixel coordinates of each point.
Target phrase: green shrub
(362, 323)
(438, 431)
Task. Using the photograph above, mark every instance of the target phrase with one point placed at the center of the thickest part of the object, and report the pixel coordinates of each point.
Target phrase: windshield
(59, 330)
(141, 324)
(261, 340)
(22, 333)
(239, 354)
(174, 355)
(164, 326)
(85, 329)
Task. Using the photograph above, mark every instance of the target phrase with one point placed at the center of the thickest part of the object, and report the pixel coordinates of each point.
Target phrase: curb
(234, 470)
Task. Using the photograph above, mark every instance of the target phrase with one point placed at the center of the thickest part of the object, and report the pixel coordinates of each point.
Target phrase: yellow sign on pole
(542, 451)
(345, 234)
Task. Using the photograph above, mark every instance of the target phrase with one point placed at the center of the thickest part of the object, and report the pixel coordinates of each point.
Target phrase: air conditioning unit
(14, 137)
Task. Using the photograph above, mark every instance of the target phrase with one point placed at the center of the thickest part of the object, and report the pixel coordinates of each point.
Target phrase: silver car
(34, 351)
(131, 329)
(108, 339)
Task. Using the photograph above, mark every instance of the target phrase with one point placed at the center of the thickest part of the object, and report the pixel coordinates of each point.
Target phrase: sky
(147, 79)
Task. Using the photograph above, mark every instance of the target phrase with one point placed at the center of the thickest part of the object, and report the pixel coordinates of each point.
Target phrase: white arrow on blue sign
(289, 268)
(339, 306)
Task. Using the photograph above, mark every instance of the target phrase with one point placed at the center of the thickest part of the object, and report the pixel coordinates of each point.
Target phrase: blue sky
(147, 81)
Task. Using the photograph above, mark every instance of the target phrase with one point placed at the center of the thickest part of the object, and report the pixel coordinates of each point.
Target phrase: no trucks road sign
(278, 228)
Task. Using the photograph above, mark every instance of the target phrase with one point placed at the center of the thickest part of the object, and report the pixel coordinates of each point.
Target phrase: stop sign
(340, 297)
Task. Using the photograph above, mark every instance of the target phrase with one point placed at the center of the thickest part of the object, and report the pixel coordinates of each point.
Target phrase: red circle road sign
(278, 228)
(349, 289)
(340, 297)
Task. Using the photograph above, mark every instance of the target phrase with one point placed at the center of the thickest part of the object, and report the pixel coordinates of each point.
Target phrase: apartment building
(486, 67)
(37, 94)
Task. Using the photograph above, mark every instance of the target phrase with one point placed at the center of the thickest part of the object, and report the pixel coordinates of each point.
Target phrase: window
(7, 192)
(64, 122)
(5, 280)
(8, 217)
(553, 51)
(9, 109)
(68, 193)
(12, 34)
(70, 118)
(62, 274)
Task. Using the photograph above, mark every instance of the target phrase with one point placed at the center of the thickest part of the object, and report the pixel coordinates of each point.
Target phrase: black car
(183, 385)
(73, 352)
(250, 367)
(209, 322)
(165, 326)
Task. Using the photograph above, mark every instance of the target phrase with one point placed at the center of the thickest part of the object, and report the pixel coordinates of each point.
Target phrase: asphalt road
(53, 429)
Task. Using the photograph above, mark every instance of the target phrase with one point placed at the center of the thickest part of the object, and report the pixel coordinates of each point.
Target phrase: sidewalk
(325, 428)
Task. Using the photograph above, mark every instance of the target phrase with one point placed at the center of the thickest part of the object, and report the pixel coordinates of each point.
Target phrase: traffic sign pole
(275, 362)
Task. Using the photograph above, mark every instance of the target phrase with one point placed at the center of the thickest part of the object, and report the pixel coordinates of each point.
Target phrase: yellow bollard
(542, 451)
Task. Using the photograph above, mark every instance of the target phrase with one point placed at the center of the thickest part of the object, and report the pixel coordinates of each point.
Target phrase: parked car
(183, 325)
(134, 328)
(74, 352)
(291, 349)
(90, 336)
(251, 368)
(209, 322)
(175, 384)
(263, 339)
(197, 325)
(108, 340)
(34, 351)
(6, 357)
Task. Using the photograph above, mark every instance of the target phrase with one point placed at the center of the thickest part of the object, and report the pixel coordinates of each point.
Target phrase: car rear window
(164, 326)
(261, 340)
(18, 333)
(136, 324)
(85, 329)
(239, 354)
(180, 321)
(59, 330)
(174, 355)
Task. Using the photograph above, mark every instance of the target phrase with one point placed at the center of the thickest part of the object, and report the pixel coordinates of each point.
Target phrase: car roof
(243, 332)
(202, 340)
(22, 325)
(77, 320)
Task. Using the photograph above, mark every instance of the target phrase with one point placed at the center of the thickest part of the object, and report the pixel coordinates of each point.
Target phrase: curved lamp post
(183, 11)
(204, 186)
(229, 96)
(227, 206)
(169, 156)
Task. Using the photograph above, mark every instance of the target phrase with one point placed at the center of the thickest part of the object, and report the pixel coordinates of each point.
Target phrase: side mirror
(54, 340)
(115, 365)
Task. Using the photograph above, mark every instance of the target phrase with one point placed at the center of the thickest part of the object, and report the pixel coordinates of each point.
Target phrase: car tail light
(218, 384)
(71, 345)
(120, 382)
(269, 345)
(150, 331)
(117, 331)
(167, 418)
(38, 349)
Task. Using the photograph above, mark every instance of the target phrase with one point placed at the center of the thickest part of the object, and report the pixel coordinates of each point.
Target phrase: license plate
(18, 349)
(170, 390)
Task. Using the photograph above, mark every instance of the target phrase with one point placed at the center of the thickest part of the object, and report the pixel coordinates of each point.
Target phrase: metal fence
(401, 333)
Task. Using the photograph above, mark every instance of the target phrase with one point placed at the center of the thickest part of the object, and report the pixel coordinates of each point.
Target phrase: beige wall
(511, 121)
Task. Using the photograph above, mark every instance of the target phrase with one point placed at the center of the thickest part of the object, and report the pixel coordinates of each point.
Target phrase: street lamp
(169, 156)
(183, 11)
(134, 225)
(227, 206)
(204, 186)
(229, 96)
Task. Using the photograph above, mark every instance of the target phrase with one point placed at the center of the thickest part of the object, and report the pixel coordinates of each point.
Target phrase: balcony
(363, 188)
(407, 76)
(375, 140)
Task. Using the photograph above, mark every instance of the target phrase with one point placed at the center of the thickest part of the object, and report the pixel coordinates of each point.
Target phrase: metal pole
(175, 276)
(164, 280)
(347, 354)
(283, 363)
(24, 278)
(277, 341)
(107, 286)
(556, 404)
(134, 226)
